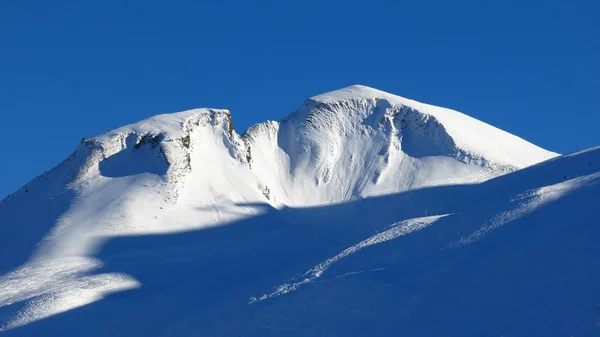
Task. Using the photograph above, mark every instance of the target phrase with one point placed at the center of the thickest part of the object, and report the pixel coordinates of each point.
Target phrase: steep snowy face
(360, 141)
(467, 138)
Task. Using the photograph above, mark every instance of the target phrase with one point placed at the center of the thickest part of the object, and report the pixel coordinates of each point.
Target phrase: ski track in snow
(396, 230)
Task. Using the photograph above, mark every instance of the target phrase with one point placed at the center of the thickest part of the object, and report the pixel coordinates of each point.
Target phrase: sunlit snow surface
(360, 214)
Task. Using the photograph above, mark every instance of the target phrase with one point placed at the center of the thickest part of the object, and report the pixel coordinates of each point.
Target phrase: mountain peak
(175, 125)
(440, 130)
(357, 91)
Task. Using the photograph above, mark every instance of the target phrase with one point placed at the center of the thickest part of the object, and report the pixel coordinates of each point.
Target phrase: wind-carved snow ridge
(395, 230)
(526, 203)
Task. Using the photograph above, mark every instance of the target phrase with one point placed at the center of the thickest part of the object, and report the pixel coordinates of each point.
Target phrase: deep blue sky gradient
(70, 69)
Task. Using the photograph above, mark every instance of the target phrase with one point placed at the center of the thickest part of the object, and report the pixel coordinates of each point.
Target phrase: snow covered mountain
(360, 141)
(361, 213)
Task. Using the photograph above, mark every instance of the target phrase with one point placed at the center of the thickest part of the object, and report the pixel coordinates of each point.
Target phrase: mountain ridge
(418, 133)
(339, 218)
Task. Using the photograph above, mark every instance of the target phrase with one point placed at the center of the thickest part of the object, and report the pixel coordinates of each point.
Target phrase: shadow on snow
(536, 276)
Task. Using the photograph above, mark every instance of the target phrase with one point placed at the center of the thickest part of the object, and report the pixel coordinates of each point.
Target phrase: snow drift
(361, 213)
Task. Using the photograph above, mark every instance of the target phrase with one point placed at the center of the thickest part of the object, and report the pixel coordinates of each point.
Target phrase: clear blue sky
(70, 69)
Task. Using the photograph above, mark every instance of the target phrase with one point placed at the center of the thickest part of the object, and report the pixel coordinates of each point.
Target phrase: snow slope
(362, 213)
